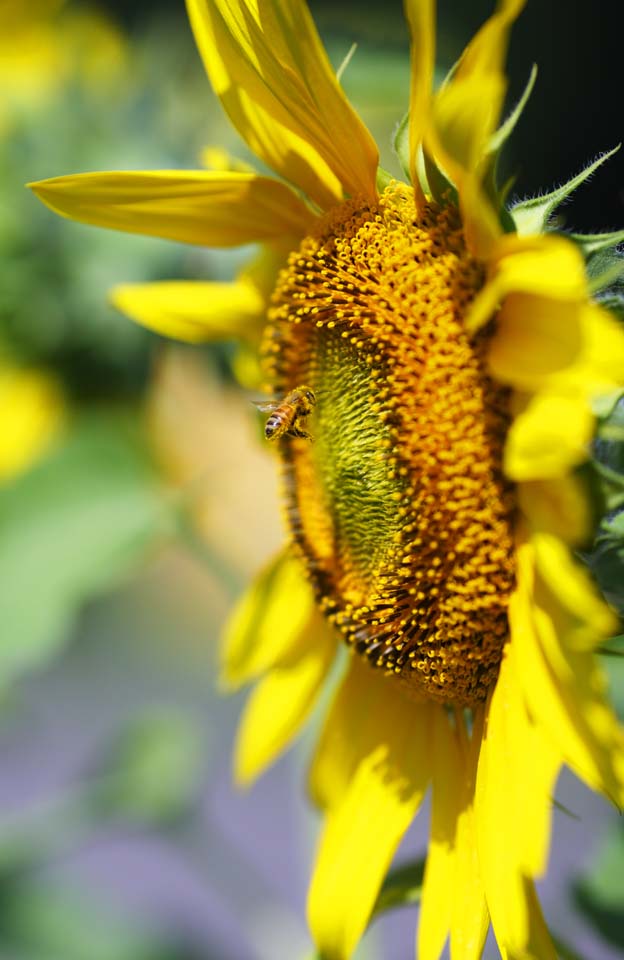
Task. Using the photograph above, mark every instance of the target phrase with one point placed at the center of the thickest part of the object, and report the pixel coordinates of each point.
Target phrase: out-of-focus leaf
(152, 772)
(600, 893)
(69, 528)
(41, 923)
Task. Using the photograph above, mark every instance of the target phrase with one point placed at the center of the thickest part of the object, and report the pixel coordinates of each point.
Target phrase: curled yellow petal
(192, 311)
(549, 436)
(564, 687)
(267, 623)
(546, 266)
(558, 505)
(464, 114)
(282, 700)
(212, 208)
(591, 620)
(267, 64)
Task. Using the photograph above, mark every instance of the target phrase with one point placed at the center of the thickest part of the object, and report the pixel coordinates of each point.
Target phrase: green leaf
(613, 647)
(401, 888)
(70, 528)
(531, 216)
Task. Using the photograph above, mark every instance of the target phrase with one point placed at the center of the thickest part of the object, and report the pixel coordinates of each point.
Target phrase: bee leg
(299, 433)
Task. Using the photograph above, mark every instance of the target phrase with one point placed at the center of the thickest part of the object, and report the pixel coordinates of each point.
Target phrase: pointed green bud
(532, 216)
(595, 242)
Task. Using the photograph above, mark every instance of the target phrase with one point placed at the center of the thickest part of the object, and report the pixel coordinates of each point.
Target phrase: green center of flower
(397, 504)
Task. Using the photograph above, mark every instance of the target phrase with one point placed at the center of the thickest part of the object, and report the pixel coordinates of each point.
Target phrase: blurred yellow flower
(43, 47)
(33, 414)
(453, 351)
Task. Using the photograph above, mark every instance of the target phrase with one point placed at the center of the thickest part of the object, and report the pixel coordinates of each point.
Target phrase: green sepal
(604, 270)
(500, 137)
(532, 216)
(383, 179)
(591, 243)
(606, 558)
(612, 301)
(431, 179)
(400, 145)
(440, 187)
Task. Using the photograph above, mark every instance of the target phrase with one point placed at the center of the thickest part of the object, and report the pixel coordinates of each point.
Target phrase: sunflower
(436, 498)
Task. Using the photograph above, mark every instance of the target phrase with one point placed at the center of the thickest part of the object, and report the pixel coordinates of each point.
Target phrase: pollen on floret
(399, 508)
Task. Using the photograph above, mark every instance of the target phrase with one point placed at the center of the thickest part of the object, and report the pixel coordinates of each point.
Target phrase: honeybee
(288, 415)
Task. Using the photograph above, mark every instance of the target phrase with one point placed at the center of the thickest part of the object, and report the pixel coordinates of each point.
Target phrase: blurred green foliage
(70, 527)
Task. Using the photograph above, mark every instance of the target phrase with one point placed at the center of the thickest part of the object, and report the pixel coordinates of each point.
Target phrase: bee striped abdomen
(272, 425)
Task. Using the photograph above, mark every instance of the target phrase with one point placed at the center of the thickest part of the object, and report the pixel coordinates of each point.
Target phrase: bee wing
(265, 406)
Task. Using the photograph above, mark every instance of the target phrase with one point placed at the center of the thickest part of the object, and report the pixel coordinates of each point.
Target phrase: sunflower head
(399, 508)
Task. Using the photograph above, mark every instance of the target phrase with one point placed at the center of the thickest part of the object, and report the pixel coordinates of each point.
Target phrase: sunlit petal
(515, 781)
(212, 208)
(267, 64)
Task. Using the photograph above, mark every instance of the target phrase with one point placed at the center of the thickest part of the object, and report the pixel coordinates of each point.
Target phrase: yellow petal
(267, 64)
(544, 266)
(560, 506)
(466, 111)
(516, 775)
(421, 19)
(350, 730)
(366, 824)
(447, 788)
(193, 312)
(282, 700)
(267, 623)
(548, 437)
(591, 620)
(564, 688)
(212, 208)
(470, 918)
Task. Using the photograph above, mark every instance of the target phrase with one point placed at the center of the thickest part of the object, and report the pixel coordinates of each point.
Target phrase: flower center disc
(398, 504)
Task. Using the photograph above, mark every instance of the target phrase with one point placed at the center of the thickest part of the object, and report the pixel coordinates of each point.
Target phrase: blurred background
(136, 502)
